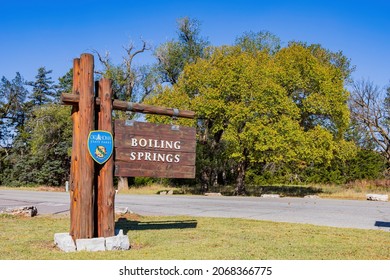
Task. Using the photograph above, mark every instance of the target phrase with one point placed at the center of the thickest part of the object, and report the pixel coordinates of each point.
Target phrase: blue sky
(52, 33)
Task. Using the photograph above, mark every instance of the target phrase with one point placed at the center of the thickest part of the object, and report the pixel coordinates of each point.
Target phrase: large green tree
(50, 143)
(40, 150)
(288, 107)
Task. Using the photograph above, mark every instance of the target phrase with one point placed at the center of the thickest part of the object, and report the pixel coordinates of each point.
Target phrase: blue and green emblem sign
(100, 145)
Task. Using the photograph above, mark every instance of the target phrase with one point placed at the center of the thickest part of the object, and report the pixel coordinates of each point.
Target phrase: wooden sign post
(105, 193)
(82, 165)
(141, 150)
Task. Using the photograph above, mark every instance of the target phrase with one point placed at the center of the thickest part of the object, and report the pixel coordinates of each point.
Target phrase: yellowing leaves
(288, 108)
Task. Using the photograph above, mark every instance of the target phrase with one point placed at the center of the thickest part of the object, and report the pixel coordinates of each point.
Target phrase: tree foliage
(65, 83)
(173, 55)
(259, 41)
(287, 108)
(43, 89)
(12, 103)
(40, 149)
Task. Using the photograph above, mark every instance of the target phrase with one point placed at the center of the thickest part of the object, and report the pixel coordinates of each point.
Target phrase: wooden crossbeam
(73, 99)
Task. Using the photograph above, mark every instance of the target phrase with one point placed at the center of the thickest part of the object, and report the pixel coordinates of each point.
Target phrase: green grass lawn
(186, 238)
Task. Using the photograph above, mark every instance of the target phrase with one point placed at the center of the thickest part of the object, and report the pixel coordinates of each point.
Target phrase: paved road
(328, 212)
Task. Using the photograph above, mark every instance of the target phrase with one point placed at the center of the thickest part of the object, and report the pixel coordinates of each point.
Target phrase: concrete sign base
(115, 243)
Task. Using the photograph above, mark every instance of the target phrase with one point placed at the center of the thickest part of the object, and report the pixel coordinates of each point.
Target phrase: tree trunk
(205, 180)
(123, 183)
(240, 181)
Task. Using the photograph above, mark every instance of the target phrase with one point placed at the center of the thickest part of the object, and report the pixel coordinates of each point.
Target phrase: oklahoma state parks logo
(100, 145)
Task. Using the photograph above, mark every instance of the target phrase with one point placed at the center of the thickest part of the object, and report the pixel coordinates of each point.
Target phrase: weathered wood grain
(154, 157)
(105, 186)
(75, 157)
(86, 163)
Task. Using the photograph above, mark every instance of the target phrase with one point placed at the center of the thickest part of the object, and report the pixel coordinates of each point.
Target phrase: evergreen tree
(65, 83)
(43, 91)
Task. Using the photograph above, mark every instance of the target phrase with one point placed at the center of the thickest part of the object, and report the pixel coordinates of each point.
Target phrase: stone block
(91, 244)
(121, 210)
(28, 211)
(118, 242)
(65, 242)
(270, 195)
(312, 196)
(377, 197)
(212, 194)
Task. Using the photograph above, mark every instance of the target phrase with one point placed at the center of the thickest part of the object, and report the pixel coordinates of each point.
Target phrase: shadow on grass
(127, 225)
(382, 224)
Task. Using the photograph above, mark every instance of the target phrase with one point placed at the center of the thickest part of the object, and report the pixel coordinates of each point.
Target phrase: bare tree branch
(105, 60)
(367, 109)
(130, 75)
